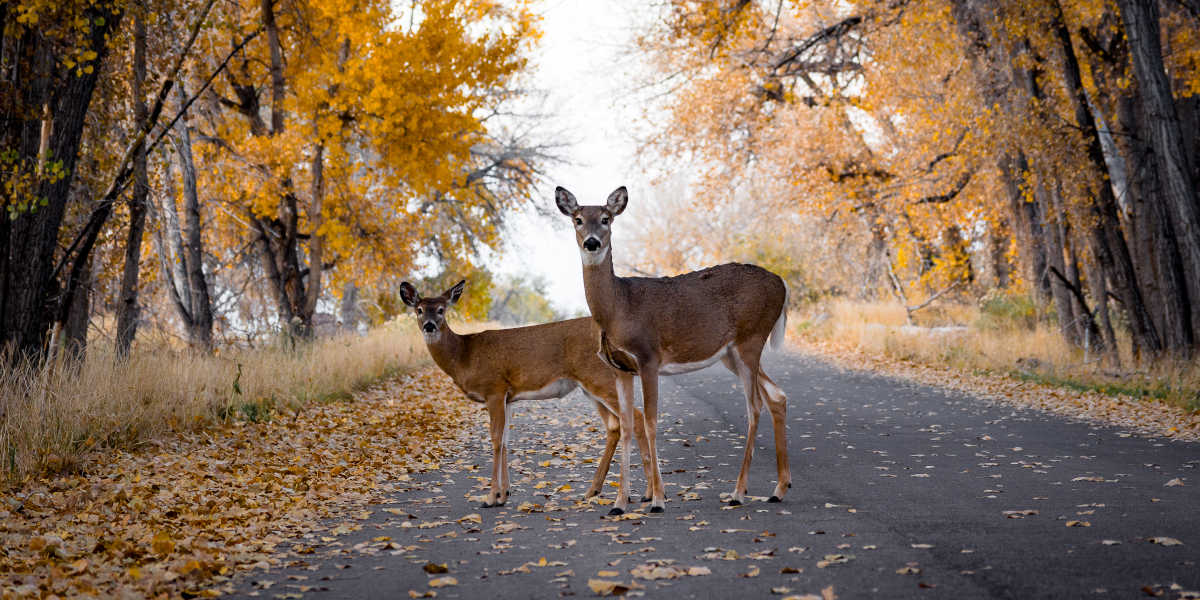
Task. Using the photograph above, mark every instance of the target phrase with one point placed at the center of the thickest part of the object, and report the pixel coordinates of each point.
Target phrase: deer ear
(409, 294)
(617, 201)
(565, 201)
(453, 294)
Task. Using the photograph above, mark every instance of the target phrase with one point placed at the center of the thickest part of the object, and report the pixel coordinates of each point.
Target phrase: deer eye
(441, 311)
(420, 312)
(578, 221)
(604, 221)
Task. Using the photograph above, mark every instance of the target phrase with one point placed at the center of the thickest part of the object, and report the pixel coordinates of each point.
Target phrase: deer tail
(780, 330)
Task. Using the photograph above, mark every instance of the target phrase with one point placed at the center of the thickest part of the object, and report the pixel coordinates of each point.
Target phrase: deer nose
(591, 244)
(429, 327)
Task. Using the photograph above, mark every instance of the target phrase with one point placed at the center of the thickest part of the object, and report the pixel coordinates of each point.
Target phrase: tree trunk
(199, 302)
(975, 21)
(75, 330)
(1064, 301)
(1161, 121)
(316, 243)
(128, 309)
(29, 292)
(350, 312)
(1105, 236)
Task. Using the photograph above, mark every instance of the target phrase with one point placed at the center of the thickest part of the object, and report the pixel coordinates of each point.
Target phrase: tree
(363, 118)
(1008, 132)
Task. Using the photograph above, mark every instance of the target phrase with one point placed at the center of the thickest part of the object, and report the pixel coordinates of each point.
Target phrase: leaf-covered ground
(186, 515)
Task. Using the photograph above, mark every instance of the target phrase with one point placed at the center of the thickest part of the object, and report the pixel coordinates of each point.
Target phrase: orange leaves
(188, 513)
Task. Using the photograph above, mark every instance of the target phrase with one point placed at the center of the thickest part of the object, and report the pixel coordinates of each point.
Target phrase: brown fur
(495, 366)
(727, 312)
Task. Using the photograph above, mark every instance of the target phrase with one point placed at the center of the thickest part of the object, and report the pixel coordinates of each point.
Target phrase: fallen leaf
(604, 587)
(1164, 541)
(834, 559)
(435, 569)
(438, 582)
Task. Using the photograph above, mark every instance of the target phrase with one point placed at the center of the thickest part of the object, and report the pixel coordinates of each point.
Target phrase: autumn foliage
(1045, 148)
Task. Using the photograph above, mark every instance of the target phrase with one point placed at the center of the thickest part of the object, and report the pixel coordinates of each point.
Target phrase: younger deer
(539, 362)
(672, 325)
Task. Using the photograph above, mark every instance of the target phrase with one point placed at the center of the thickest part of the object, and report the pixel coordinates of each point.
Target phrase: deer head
(431, 312)
(593, 224)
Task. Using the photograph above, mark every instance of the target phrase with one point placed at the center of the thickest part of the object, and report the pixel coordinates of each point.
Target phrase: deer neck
(448, 352)
(603, 291)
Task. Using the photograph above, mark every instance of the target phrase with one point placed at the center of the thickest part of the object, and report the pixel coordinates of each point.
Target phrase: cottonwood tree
(1013, 129)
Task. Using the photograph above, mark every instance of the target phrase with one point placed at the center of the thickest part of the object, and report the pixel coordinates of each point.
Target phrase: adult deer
(672, 325)
(539, 362)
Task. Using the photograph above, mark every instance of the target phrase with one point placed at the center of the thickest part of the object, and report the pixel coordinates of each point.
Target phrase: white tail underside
(780, 330)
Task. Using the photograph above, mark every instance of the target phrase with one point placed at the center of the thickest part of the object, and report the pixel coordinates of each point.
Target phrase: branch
(87, 237)
(928, 301)
(833, 31)
(948, 196)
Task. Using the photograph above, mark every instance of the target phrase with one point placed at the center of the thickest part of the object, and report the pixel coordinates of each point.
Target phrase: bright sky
(581, 64)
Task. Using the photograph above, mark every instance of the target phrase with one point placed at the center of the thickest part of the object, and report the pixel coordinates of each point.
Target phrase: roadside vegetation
(1000, 335)
(55, 413)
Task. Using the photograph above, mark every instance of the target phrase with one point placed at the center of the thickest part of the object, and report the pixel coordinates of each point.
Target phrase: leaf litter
(185, 515)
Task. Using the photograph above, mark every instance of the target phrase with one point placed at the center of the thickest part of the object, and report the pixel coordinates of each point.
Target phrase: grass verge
(994, 339)
(51, 417)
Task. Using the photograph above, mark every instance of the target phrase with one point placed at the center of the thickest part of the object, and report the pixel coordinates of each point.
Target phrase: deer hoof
(656, 509)
(645, 498)
(735, 502)
(774, 499)
(486, 505)
(615, 512)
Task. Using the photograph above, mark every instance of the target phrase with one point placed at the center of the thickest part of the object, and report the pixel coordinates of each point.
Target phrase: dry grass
(52, 416)
(995, 340)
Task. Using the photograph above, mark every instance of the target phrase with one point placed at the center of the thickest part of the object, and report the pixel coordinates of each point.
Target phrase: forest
(1041, 150)
(222, 168)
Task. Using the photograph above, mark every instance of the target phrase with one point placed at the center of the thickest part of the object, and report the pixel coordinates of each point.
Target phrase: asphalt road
(901, 491)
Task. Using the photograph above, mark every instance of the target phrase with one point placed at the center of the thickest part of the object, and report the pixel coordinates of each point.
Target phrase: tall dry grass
(54, 414)
(996, 338)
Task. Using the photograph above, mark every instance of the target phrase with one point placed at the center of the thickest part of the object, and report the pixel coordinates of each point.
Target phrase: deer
(538, 362)
(674, 325)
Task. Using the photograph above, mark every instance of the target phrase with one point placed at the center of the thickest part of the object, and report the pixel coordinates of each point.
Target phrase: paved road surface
(901, 491)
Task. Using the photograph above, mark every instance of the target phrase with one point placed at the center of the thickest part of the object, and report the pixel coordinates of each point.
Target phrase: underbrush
(1000, 335)
(51, 415)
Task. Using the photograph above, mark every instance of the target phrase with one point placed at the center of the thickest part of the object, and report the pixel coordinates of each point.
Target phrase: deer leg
(506, 438)
(639, 428)
(496, 415)
(776, 402)
(625, 401)
(749, 376)
(610, 415)
(649, 375)
(612, 425)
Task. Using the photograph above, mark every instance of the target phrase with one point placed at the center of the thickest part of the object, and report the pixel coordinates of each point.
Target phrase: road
(901, 491)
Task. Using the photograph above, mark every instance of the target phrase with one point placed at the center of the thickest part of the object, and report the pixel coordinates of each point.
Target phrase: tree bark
(128, 309)
(316, 243)
(199, 302)
(1105, 236)
(1175, 176)
(29, 292)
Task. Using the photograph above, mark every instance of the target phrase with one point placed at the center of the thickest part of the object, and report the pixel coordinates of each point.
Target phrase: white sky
(581, 63)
